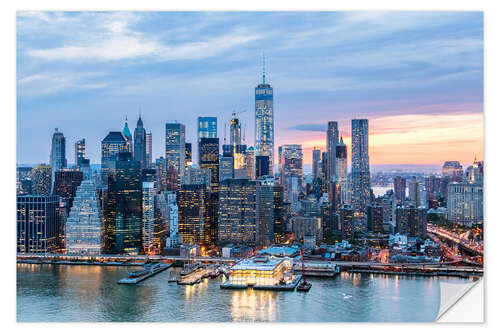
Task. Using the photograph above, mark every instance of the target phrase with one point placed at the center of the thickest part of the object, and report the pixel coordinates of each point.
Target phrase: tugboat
(303, 285)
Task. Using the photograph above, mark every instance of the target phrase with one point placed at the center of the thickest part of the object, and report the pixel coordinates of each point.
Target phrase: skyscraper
(149, 150)
(128, 136)
(261, 166)
(250, 163)
(112, 145)
(316, 163)
(264, 120)
(265, 213)
(194, 222)
(188, 157)
(140, 143)
(207, 127)
(38, 227)
(84, 227)
(411, 221)
(148, 216)
(65, 185)
(237, 222)
(465, 203)
(41, 179)
(360, 164)
(208, 156)
(175, 146)
(332, 139)
(79, 153)
(400, 188)
(58, 152)
(291, 171)
(341, 161)
(123, 211)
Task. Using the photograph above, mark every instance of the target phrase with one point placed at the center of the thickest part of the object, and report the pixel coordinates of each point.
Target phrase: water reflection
(253, 305)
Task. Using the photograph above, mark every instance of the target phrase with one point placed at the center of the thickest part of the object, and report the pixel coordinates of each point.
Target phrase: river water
(63, 293)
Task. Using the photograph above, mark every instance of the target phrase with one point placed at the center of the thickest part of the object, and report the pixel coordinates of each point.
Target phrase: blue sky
(84, 72)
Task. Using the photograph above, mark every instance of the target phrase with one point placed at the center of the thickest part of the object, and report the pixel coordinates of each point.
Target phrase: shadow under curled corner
(453, 294)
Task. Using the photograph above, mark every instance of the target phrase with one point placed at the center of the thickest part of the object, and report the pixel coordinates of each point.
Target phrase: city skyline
(430, 89)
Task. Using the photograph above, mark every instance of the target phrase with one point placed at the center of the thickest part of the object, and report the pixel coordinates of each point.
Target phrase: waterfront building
(237, 222)
(207, 128)
(175, 146)
(226, 168)
(411, 221)
(259, 272)
(65, 185)
(375, 218)
(79, 152)
(128, 136)
(453, 170)
(38, 224)
(332, 140)
(123, 206)
(149, 150)
(250, 163)
(261, 166)
(360, 165)
(341, 160)
(291, 171)
(208, 156)
(400, 188)
(148, 217)
(140, 143)
(112, 145)
(175, 239)
(194, 222)
(264, 120)
(84, 227)
(316, 163)
(465, 203)
(41, 179)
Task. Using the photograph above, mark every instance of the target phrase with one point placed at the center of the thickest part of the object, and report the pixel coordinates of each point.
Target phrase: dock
(136, 280)
(196, 276)
(279, 287)
(318, 269)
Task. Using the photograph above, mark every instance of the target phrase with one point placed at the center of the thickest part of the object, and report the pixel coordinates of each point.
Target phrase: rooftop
(258, 263)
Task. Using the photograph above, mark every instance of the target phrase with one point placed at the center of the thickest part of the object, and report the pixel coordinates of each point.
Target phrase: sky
(416, 76)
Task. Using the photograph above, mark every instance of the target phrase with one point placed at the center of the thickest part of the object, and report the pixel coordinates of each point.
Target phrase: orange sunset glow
(412, 139)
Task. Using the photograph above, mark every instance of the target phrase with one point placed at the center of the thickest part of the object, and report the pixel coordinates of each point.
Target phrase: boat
(191, 268)
(148, 268)
(303, 285)
(172, 277)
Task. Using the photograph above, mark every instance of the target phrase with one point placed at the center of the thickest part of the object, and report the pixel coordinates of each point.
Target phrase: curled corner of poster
(461, 302)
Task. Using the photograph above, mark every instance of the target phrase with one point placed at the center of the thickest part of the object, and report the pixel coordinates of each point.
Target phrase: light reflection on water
(90, 293)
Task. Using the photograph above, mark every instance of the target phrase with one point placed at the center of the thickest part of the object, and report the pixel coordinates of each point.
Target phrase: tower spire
(263, 68)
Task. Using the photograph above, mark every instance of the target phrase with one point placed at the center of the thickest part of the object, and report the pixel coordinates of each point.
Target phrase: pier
(135, 280)
(278, 287)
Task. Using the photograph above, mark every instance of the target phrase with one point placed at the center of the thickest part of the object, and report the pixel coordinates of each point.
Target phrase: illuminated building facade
(175, 147)
(264, 120)
(375, 218)
(208, 157)
(207, 127)
(341, 160)
(400, 188)
(453, 170)
(411, 221)
(38, 224)
(123, 206)
(261, 166)
(291, 171)
(148, 216)
(278, 214)
(188, 157)
(79, 152)
(84, 227)
(112, 145)
(250, 163)
(265, 213)
(360, 164)
(65, 185)
(346, 217)
(226, 168)
(194, 220)
(258, 272)
(237, 222)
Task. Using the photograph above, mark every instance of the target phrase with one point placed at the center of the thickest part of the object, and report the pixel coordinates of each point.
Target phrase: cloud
(52, 83)
(309, 127)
